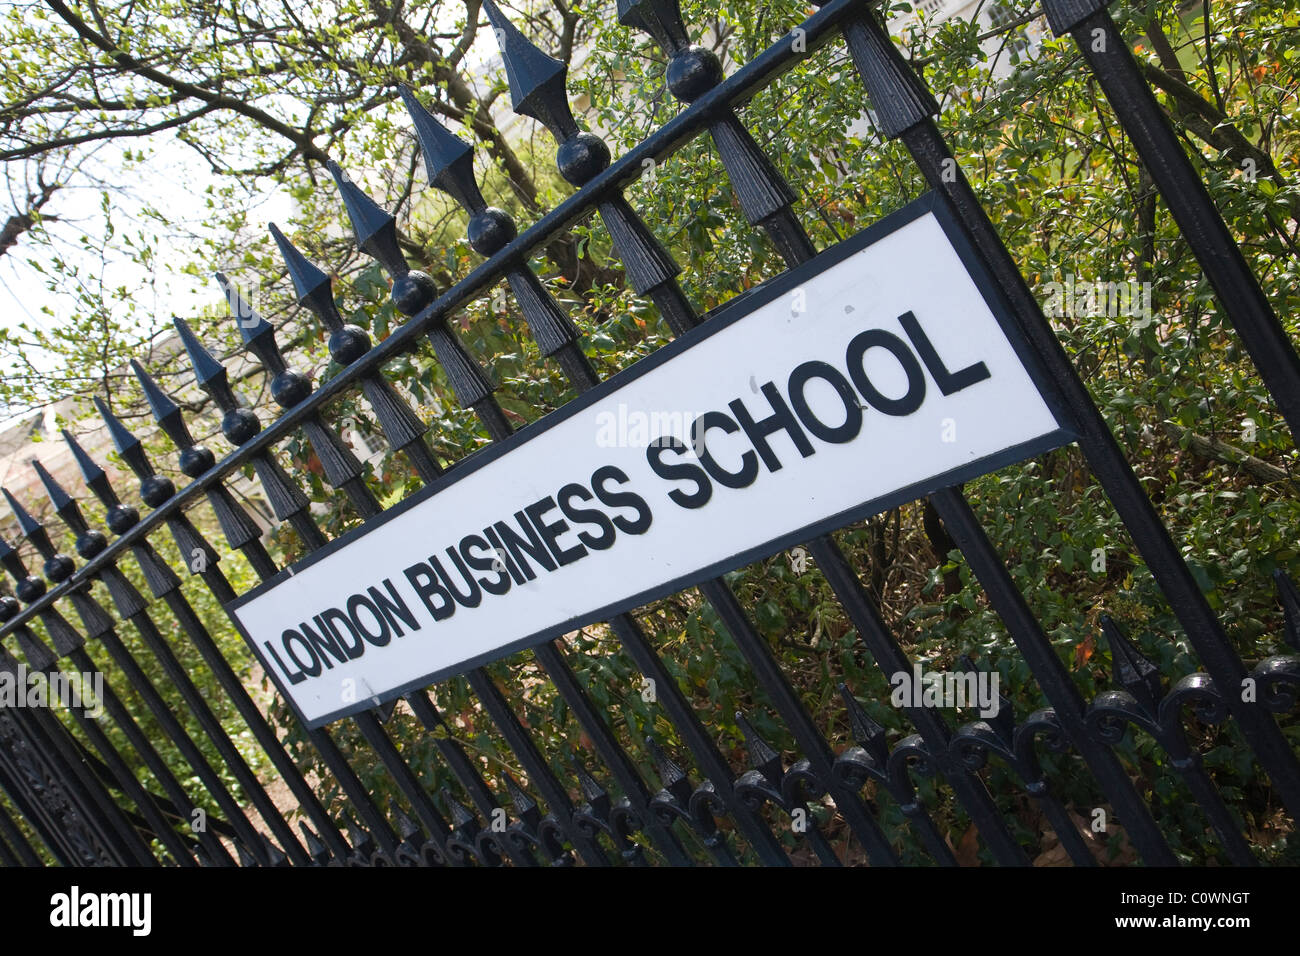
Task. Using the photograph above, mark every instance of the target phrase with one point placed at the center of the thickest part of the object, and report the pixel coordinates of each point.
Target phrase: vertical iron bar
(1221, 259)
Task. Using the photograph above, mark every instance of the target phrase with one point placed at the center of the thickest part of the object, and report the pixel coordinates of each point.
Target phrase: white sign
(871, 376)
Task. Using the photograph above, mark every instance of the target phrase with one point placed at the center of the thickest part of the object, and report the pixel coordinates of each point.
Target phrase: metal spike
(592, 791)
(165, 411)
(306, 276)
(1290, 598)
(536, 79)
(867, 733)
(194, 459)
(761, 755)
(274, 854)
(407, 827)
(315, 848)
(460, 814)
(524, 804)
(252, 327)
(91, 473)
(12, 561)
(127, 445)
(448, 159)
(310, 282)
(1004, 721)
(359, 839)
(246, 858)
(208, 372)
(671, 776)
(1133, 671)
(64, 506)
(29, 525)
(374, 227)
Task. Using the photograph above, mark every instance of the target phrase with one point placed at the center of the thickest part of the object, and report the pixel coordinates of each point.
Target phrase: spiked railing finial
(237, 424)
(28, 587)
(761, 755)
(592, 791)
(58, 567)
(867, 733)
(448, 159)
(536, 79)
(525, 806)
(194, 459)
(406, 827)
(121, 517)
(89, 541)
(253, 329)
(310, 282)
(537, 88)
(208, 372)
(91, 473)
(461, 817)
(154, 488)
(288, 387)
(374, 227)
(1132, 670)
(672, 777)
(165, 411)
(127, 445)
(31, 528)
(450, 165)
(376, 234)
(64, 506)
(317, 850)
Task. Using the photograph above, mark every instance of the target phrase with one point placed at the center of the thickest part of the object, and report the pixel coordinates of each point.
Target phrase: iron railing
(85, 801)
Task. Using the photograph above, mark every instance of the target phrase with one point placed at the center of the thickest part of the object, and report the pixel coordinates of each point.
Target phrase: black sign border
(730, 312)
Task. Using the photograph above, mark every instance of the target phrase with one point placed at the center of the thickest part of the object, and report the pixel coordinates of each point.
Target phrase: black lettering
(798, 384)
(296, 677)
(680, 471)
(748, 461)
(594, 516)
(621, 499)
(425, 584)
(331, 618)
(947, 381)
(311, 669)
(393, 606)
(495, 540)
(551, 532)
(516, 546)
(486, 562)
(475, 596)
(324, 643)
(380, 637)
(780, 419)
(878, 338)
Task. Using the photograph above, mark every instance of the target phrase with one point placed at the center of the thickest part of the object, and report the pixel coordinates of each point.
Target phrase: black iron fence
(149, 793)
